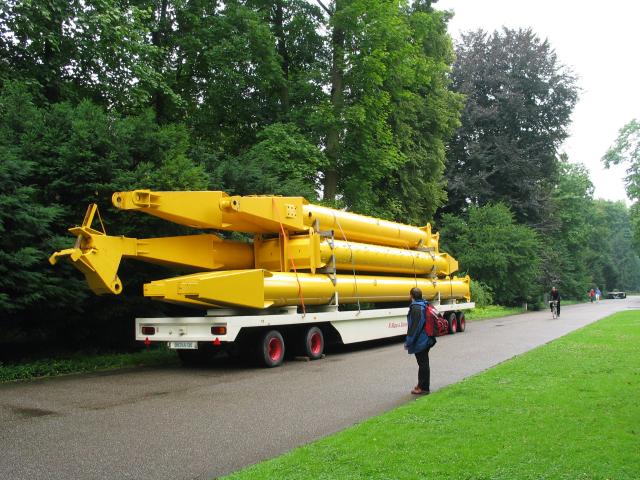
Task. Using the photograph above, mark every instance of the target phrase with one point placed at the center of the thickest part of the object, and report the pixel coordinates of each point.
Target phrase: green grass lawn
(491, 311)
(566, 410)
(84, 363)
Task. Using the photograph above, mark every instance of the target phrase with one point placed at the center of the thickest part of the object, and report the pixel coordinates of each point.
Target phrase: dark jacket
(417, 339)
(555, 295)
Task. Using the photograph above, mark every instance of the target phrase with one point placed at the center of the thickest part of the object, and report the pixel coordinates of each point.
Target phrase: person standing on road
(555, 296)
(592, 295)
(418, 341)
(598, 294)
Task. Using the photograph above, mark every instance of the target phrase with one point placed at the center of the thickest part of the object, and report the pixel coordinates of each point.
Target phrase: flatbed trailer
(269, 335)
(283, 290)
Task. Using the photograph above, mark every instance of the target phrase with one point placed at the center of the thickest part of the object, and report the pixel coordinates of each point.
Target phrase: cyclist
(555, 297)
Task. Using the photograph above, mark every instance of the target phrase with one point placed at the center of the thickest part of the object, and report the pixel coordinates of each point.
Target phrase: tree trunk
(52, 61)
(330, 182)
(158, 40)
(278, 26)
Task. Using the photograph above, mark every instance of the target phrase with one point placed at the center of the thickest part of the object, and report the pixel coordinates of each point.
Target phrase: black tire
(313, 343)
(462, 321)
(272, 349)
(453, 322)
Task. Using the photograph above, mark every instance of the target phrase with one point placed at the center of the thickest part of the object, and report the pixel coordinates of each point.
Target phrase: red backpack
(431, 317)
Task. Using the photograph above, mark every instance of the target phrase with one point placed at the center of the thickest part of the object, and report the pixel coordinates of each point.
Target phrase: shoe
(418, 391)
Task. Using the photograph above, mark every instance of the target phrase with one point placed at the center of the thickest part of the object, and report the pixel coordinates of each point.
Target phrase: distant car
(616, 295)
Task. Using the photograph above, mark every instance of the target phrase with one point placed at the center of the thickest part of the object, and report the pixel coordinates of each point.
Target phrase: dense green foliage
(390, 108)
(495, 250)
(626, 150)
(539, 415)
(55, 160)
(481, 293)
(583, 243)
(589, 242)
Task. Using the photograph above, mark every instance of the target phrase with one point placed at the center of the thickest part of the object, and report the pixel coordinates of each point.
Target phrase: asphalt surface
(180, 423)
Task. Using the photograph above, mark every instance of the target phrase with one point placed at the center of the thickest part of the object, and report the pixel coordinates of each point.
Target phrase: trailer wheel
(272, 349)
(313, 343)
(461, 322)
(453, 322)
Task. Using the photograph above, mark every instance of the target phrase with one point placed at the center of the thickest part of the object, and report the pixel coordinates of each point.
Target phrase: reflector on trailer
(217, 342)
(146, 330)
(219, 330)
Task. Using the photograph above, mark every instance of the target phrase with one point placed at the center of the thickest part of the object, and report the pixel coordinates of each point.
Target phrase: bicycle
(554, 308)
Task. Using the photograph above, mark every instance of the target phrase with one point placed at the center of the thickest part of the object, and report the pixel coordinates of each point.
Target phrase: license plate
(183, 345)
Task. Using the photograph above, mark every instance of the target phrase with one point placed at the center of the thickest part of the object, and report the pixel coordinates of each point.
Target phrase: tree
(389, 110)
(76, 50)
(26, 221)
(495, 250)
(424, 114)
(296, 26)
(587, 242)
(54, 161)
(283, 162)
(614, 261)
(626, 149)
(567, 253)
(221, 60)
(519, 102)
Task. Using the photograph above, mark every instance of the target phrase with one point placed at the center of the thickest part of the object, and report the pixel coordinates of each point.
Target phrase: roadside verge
(564, 410)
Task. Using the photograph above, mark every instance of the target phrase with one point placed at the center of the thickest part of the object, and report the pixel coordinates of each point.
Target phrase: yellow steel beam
(98, 256)
(310, 252)
(217, 210)
(263, 289)
(271, 214)
(360, 228)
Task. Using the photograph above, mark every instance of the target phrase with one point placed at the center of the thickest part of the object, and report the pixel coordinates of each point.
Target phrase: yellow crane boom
(269, 214)
(263, 289)
(300, 253)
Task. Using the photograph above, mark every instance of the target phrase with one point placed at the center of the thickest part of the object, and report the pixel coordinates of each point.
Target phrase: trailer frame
(222, 327)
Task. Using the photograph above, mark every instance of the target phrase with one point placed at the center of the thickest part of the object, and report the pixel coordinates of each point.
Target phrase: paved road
(176, 423)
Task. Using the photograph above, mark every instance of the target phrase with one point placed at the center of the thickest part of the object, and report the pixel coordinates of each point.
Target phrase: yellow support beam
(271, 214)
(360, 228)
(98, 256)
(263, 289)
(310, 252)
(217, 210)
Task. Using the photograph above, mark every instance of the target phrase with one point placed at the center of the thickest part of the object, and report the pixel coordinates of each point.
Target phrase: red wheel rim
(454, 326)
(462, 323)
(315, 343)
(275, 349)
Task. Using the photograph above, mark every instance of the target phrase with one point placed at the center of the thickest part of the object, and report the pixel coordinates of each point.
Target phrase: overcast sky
(600, 41)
